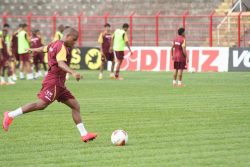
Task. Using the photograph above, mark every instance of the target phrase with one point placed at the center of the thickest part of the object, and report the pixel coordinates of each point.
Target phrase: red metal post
(79, 29)
(184, 19)
(4, 18)
(131, 28)
(157, 28)
(54, 24)
(239, 26)
(29, 22)
(106, 15)
(211, 29)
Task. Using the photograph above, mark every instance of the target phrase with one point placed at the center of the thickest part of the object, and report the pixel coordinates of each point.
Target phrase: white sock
(21, 75)
(15, 113)
(112, 74)
(2, 79)
(179, 82)
(174, 82)
(81, 129)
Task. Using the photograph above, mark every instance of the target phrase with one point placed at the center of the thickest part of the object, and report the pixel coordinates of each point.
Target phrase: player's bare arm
(67, 69)
(41, 49)
(111, 44)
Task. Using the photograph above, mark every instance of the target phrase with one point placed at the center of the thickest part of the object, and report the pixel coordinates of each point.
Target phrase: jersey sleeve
(62, 54)
(100, 39)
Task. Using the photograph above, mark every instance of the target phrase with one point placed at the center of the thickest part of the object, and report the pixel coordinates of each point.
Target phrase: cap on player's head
(107, 25)
(181, 31)
(125, 25)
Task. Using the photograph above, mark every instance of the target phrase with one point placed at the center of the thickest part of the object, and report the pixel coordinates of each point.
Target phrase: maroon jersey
(36, 42)
(14, 43)
(56, 76)
(178, 49)
(106, 41)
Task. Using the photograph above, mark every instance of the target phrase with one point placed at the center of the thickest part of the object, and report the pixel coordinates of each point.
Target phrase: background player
(24, 56)
(179, 56)
(14, 50)
(36, 41)
(105, 41)
(118, 42)
(59, 33)
(53, 87)
(5, 60)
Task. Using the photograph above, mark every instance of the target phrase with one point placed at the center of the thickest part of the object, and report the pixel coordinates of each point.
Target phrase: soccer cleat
(100, 77)
(89, 136)
(119, 78)
(6, 121)
(181, 85)
(175, 85)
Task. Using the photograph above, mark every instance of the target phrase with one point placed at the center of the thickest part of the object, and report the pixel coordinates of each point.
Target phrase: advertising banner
(239, 59)
(201, 59)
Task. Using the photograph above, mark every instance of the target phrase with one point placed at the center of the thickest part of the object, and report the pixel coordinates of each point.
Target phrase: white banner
(201, 59)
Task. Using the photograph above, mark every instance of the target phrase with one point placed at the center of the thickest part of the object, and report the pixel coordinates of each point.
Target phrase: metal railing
(153, 30)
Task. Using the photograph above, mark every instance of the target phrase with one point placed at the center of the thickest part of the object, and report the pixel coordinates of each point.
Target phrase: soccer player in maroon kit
(105, 41)
(53, 87)
(36, 41)
(179, 56)
(5, 60)
(14, 49)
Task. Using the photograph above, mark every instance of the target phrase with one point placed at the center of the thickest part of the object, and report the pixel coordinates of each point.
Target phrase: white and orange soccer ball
(119, 137)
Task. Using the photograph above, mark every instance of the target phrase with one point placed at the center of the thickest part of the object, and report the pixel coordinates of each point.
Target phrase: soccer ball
(119, 137)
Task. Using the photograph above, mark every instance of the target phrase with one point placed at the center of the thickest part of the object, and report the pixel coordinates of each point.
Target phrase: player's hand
(111, 50)
(131, 53)
(77, 76)
(29, 50)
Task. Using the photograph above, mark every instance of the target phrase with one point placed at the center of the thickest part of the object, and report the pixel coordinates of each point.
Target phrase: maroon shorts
(180, 65)
(38, 58)
(50, 93)
(15, 54)
(119, 55)
(24, 57)
(109, 56)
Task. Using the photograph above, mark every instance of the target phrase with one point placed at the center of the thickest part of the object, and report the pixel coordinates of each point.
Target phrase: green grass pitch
(206, 123)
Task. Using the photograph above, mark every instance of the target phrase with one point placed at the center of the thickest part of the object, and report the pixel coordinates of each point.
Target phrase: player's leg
(10, 73)
(180, 72)
(2, 72)
(175, 73)
(21, 67)
(175, 77)
(36, 64)
(75, 107)
(112, 75)
(34, 106)
(28, 68)
(119, 56)
(103, 60)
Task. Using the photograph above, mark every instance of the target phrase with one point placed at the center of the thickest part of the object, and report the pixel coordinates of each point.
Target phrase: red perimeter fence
(156, 30)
